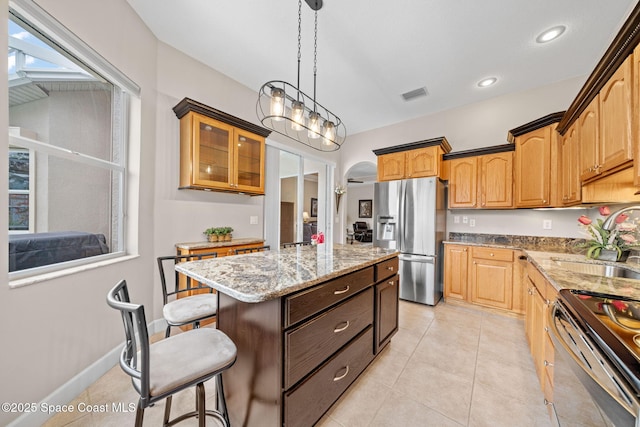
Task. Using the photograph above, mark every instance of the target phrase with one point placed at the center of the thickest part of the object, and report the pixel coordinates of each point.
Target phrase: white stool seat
(189, 309)
(208, 350)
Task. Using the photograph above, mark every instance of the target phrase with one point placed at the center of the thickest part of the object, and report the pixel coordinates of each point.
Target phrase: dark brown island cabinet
(298, 353)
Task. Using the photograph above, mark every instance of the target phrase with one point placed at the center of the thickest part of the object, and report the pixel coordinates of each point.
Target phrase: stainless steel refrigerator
(410, 216)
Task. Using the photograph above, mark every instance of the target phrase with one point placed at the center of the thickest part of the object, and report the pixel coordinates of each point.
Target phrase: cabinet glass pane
(248, 150)
(214, 154)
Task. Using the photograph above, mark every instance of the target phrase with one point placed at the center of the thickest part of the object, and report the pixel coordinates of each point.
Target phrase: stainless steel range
(597, 359)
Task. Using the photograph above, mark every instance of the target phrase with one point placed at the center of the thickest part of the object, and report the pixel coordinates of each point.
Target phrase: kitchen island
(306, 320)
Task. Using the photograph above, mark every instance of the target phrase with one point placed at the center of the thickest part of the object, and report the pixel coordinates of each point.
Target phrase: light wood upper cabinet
(391, 166)
(423, 162)
(533, 168)
(416, 163)
(219, 152)
(463, 182)
(588, 127)
(481, 181)
(570, 168)
(496, 180)
(414, 160)
(616, 147)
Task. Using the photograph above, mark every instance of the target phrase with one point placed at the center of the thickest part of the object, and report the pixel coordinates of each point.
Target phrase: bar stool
(166, 367)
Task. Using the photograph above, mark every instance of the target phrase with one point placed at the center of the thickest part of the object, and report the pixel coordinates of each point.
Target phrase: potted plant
(211, 233)
(609, 245)
(226, 233)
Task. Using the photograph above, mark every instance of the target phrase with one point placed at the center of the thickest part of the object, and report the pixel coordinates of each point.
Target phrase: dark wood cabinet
(298, 353)
(387, 293)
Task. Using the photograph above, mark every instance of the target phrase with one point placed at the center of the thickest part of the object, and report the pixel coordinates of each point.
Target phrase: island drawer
(386, 269)
(309, 302)
(311, 343)
(304, 405)
(496, 254)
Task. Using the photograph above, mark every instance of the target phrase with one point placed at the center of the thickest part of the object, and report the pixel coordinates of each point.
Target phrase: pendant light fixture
(285, 109)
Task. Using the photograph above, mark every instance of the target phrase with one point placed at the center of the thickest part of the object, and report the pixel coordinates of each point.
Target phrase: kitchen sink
(604, 270)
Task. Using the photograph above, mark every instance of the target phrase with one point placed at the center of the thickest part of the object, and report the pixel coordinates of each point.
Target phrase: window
(68, 117)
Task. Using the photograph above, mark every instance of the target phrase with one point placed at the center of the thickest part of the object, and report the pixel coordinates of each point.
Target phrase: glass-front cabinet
(217, 154)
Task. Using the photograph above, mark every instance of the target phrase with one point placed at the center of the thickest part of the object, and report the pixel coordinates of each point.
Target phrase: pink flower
(604, 210)
(621, 218)
(629, 238)
(584, 220)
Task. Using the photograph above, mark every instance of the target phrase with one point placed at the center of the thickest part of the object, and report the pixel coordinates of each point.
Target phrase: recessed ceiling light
(487, 82)
(551, 34)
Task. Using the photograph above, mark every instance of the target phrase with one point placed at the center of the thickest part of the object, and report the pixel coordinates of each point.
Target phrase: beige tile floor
(447, 366)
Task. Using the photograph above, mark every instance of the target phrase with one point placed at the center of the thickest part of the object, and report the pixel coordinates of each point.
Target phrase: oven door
(587, 389)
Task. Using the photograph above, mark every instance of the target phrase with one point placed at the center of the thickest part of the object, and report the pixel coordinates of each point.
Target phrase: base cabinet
(299, 353)
(540, 296)
(482, 276)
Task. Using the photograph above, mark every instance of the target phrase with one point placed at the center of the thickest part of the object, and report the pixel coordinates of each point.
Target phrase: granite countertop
(548, 255)
(262, 276)
(212, 245)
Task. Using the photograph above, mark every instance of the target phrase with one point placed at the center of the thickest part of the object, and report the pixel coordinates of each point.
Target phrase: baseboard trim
(76, 385)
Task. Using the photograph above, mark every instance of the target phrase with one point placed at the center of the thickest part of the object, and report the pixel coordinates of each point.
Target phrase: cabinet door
(391, 166)
(492, 283)
(496, 180)
(569, 167)
(386, 321)
(589, 140)
(636, 115)
(212, 159)
(423, 162)
(463, 182)
(615, 119)
(248, 164)
(456, 258)
(533, 168)
(537, 329)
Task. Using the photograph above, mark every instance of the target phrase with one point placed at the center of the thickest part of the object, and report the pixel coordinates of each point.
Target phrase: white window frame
(27, 12)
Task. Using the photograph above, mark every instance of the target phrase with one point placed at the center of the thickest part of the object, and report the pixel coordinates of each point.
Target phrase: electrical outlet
(465, 219)
(472, 222)
(456, 219)
(547, 224)
(253, 219)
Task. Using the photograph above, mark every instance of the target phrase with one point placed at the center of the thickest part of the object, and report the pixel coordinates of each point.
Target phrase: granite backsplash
(537, 243)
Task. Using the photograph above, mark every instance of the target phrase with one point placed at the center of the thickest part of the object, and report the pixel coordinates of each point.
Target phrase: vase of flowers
(339, 190)
(609, 245)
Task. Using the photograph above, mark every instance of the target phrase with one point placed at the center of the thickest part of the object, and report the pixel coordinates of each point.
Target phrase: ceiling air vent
(416, 93)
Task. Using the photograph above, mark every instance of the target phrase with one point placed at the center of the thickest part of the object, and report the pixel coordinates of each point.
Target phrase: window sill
(32, 280)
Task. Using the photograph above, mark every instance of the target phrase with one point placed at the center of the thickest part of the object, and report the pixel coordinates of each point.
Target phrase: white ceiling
(370, 52)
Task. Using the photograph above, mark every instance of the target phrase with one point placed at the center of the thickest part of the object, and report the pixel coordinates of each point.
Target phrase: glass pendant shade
(277, 104)
(297, 115)
(328, 132)
(314, 125)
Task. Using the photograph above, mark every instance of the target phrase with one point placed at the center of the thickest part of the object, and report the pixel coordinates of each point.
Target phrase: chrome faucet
(610, 222)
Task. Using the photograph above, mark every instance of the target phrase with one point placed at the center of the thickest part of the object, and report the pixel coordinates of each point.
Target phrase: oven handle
(559, 339)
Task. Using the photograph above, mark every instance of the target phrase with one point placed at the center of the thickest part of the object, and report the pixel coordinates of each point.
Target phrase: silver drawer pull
(336, 330)
(341, 291)
(547, 402)
(342, 376)
(547, 363)
(391, 282)
(390, 268)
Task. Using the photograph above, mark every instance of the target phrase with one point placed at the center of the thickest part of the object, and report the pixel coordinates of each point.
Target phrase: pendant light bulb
(297, 115)
(314, 125)
(277, 104)
(329, 132)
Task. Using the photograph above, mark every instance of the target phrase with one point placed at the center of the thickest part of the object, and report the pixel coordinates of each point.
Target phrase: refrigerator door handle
(417, 258)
